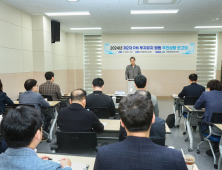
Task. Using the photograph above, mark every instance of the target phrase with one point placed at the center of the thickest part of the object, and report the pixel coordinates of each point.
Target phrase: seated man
(193, 89)
(98, 99)
(141, 83)
(22, 130)
(76, 118)
(211, 101)
(157, 128)
(137, 151)
(49, 88)
(31, 97)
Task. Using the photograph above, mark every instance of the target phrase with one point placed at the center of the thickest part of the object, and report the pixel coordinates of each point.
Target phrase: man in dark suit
(76, 118)
(193, 89)
(157, 130)
(98, 99)
(137, 151)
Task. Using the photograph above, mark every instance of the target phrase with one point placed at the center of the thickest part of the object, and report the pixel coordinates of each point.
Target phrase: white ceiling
(114, 15)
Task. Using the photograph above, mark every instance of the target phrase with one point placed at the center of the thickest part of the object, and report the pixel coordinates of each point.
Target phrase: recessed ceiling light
(208, 27)
(170, 11)
(68, 13)
(99, 28)
(135, 28)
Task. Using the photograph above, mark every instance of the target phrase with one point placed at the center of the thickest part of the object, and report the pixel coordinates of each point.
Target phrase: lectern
(131, 88)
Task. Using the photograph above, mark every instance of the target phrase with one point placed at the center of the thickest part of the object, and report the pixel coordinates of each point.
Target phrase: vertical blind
(206, 58)
(92, 60)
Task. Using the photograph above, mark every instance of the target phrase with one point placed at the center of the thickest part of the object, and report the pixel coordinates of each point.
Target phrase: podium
(131, 88)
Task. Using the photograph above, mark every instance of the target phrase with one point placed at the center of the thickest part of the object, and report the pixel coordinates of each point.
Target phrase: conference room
(99, 80)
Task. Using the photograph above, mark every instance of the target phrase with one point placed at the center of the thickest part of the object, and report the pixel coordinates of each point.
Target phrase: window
(92, 60)
(206, 58)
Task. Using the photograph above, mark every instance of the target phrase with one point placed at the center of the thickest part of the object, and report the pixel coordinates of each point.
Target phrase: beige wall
(16, 50)
(26, 52)
(166, 73)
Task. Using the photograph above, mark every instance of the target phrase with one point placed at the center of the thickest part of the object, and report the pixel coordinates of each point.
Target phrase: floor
(175, 139)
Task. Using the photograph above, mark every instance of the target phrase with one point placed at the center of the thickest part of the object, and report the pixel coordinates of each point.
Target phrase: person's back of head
(49, 75)
(78, 96)
(144, 93)
(140, 81)
(193, 77)
(31, 84)
(214, 85)
(136, 113)
(21, 127)
(98, 84)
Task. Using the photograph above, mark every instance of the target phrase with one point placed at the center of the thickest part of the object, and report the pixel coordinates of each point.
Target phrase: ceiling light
(86, 28)
(135, 28)
(145, 2)
(208, 27)
(173, 11)
(68, 13)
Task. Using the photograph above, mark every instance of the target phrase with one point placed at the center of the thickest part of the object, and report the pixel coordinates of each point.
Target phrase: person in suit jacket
(98, 99)
(76, 118)
(157, 130)
(211, 101)
(193, 89)
(32, 97)
(4, 99)
(22, 130)
(137, 151)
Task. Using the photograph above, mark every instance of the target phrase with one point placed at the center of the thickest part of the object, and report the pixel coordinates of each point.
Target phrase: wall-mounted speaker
(55, 30)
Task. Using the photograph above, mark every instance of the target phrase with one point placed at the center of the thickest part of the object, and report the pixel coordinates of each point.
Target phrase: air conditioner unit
(150, 2)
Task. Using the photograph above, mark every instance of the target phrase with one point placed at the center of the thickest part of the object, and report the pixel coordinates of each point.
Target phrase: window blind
(206, 58)
(92, 60)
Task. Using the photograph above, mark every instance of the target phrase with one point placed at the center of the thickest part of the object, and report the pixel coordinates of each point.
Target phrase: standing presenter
(132, 70)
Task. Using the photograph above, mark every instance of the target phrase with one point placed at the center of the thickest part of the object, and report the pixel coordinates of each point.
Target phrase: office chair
(100, 112)
(49, 98)
(75, 143)
(28, 105)
(214, 134)
(187, 101)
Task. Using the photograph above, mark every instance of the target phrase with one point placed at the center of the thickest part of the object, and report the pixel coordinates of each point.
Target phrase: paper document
(76, 165)
(175, 95)
(104, 123)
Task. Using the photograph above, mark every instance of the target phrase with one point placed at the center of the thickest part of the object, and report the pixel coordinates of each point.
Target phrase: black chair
(213, 136)
(191, 100)
(75, 143)
(49, 98)
(28, 105)
(100, 112)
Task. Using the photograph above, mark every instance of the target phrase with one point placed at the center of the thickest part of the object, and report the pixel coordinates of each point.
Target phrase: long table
(86, 160)
(189, 112)
(111, 129)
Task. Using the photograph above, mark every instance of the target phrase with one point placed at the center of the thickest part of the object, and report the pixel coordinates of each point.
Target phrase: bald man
(76, 118)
